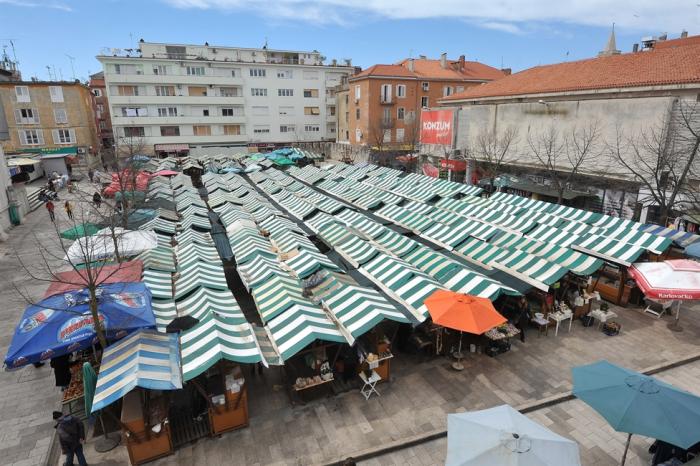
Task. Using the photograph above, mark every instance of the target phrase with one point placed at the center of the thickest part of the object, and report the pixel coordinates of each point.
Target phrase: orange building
(385, 101)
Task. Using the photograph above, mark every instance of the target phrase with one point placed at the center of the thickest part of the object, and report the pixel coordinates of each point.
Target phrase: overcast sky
(509, 33)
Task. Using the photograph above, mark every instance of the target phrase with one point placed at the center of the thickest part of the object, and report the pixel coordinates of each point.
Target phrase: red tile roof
(431, 69)
(670, 62)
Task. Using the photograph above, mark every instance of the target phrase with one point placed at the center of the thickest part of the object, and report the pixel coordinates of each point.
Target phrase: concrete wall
(630, 114)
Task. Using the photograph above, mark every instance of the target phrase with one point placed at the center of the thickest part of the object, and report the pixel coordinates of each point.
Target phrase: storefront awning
(145, 359)
(171, 148)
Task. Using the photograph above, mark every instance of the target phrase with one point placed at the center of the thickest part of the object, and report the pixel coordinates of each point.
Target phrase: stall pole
(620, 291)
(108, 441)
(675, 326)
(627, 447)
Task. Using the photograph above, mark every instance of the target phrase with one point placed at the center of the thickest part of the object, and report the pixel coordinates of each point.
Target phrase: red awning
(75, 279)
(172, 147)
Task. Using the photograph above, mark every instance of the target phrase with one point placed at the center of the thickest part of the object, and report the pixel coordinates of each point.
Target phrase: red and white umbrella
(677, 280)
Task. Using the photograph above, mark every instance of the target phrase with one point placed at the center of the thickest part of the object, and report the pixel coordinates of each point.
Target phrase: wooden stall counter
(382, 364)
(229, 402)
(144, 442)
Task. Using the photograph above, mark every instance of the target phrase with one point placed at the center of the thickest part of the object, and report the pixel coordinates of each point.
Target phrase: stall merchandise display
(228, 409)
(502, 332)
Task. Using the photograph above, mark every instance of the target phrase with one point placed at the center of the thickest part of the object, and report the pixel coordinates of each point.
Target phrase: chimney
(635, 48)
(663, 37)
(411, 65)
(684, 34)
(461, 62)
(506, 71)
(443, 60)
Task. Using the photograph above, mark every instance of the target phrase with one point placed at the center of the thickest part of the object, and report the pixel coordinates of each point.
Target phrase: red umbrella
(165, 173)
(677, 280)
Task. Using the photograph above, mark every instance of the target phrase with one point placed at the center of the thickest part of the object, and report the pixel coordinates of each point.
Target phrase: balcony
(119, 120)
(386, 101)
(176, 99)
(166, 79)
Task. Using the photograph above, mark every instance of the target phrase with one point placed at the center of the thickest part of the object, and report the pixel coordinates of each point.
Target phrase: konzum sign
(436, 127)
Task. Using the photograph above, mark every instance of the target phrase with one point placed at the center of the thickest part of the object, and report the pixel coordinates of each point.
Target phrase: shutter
(56, 136)
(40, 136)
(22, 137)
(18, 116)
(35, 115)
(72, 136)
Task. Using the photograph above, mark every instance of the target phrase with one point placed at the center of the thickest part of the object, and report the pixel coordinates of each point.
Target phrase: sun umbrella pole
(675, 325)
(627, 447)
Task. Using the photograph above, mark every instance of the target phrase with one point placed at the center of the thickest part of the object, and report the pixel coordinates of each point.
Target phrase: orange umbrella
(463, 312)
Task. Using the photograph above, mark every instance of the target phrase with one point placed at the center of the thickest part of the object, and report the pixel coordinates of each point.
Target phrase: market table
(559, 317)
(602, 316)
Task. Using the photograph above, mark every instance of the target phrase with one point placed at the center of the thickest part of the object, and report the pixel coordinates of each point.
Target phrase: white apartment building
(178, 97)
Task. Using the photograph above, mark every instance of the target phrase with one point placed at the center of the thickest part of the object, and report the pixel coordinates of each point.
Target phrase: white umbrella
(503, 436)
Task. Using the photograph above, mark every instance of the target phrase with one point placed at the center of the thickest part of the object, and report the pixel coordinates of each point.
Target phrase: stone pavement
(599, 444)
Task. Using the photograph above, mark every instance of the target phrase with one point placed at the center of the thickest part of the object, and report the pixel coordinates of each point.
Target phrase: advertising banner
(437, 127)
(454, 165)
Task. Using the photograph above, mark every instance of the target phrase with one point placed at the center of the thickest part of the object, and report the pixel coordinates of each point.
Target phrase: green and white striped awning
(319, 220)
(160, 258)
(164, 310)
(510, 222)
(609, 249)
(161, 225)
(278, 294)
(246, 246)
(410, 220)
(469, 282)
(298, 327)
(398, 244)
(356, 250)
(258, 270)
(279, 224)
(362, 223)
(553, 235)
(431, 262)
(215, 338)
(535, 270)
(653, 243)
(446, 236)
(204, 301)
(159, 282)
(192, 236)
(296, 206)
(194, 252)
(333, 233)
(286, 241)
(607, 221)
(199, 274)
(308, 262)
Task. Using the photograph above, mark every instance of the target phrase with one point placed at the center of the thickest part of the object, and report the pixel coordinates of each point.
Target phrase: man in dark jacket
(71, 436)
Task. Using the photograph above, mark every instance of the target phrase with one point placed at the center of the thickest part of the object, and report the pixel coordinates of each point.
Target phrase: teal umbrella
(638, 404)
(78, 231)
(89, 384)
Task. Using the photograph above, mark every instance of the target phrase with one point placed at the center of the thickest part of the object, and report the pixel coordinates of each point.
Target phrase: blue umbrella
(63, 323)
(693, 250)
(638, 404)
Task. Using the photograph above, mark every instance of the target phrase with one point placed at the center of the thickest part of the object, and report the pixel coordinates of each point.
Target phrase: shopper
(97, 199)
(71, 436)
(523, 317)
(61, 370)
(91, 174)
(69, 209)
(50, 207)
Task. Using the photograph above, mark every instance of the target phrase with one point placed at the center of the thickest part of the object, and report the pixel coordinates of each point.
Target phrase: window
(424, 101)
(401, 90)
(258, 92)
(232, 111)
(201, 130)
(229, 92)
(358, 135)
(134, 131)
(63, 136)
(287, 111)
(447, 91)
(134, 111)
(103, 124)
(347, 117)
(260, 111)
(357, 113)
(284, 74)
(386, 116)
(56, 93)
(31, 137)
(399, 134)
(312, 128)
(459, 89)
(22, 93)
(26, 116)
(287, 128)
(257, 72)
(310, 74)
(400, 113)
(232, 130)
(132, 90)
(197, 91)
(167, 111)
(312, 111)
(261, 130)
(169, 130)
(386, 93)
(410, 116)
(100, 108)
(387, 136)
(160, 70)
(205, 112)
(60, 115)
(235, 72)
(357, 93)
(310, 93)
(426, 86)
(285, 92)
(331, 128)
(97, 92)
(195, 71)
(127, 69)
(330, 111)
(176, 52)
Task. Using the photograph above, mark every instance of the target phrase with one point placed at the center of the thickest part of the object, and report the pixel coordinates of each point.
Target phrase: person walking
(71, 436)
(69, 209)
(50, 207)
(97, 199)
(91, 174)
(523, 317)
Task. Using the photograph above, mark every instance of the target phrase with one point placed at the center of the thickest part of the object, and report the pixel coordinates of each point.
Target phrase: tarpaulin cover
(101, 245)
(78, 231)
(129, 182)
(63, 324)
(78, 279)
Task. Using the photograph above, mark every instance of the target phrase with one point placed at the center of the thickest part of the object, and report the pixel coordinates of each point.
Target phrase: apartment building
(103, 121)
(47, 117)
(175, 97)
(385, 101)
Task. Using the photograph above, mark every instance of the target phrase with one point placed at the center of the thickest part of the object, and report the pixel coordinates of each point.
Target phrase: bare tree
(663, 160)
(411, 132)
(378, 132)
(492, 151)
(126, 147)
(561, 156)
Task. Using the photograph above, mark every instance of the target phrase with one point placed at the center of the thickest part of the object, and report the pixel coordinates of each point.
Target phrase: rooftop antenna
(60, 73)
(501, 61)
(48, 68)
(72, 68)
(265, 46)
